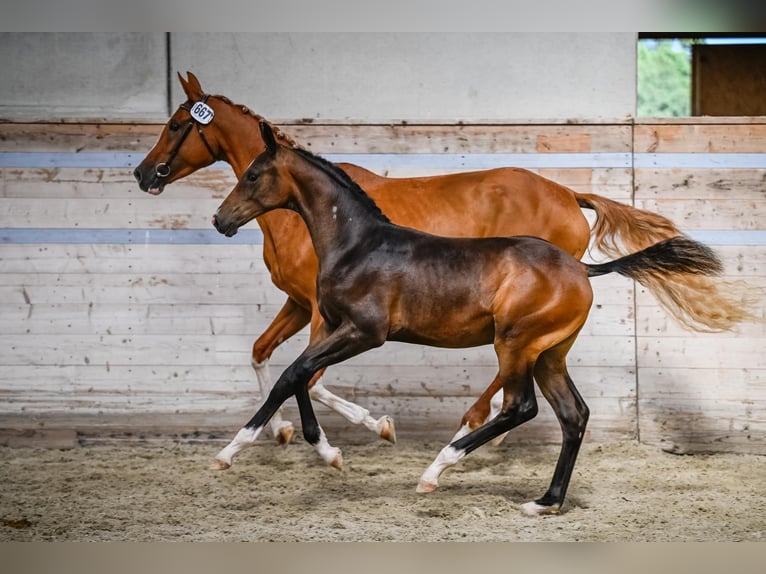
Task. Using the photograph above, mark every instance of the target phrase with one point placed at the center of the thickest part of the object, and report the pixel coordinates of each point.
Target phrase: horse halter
(163, 169)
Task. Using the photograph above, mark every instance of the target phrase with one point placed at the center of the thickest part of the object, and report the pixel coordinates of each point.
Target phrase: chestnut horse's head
(262, 187)
(185, 144)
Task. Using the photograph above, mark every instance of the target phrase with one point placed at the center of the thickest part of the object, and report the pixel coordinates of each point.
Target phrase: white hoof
(534, 509)
(425, 487)
(386, 428)
(218, 464)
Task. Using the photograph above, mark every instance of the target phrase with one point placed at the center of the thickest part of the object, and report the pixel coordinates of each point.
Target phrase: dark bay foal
(381, 282)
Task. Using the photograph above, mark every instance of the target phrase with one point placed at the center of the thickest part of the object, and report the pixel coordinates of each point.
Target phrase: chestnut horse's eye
(252, 177)
(173, 126)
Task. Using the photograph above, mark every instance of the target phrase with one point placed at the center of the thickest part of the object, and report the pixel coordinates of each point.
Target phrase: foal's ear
(268, 138)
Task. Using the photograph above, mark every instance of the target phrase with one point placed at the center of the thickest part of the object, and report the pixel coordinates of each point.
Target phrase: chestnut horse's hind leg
(383, 427)
(486, 407)
(572, 412)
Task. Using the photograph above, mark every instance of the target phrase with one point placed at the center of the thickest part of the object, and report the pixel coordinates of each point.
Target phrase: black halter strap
(163, 169)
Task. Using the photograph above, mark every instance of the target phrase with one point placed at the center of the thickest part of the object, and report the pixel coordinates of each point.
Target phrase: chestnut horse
(378, 281)
(497, 202)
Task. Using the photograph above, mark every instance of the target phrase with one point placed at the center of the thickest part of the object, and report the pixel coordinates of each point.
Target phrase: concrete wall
(365, 77)
(83, 76)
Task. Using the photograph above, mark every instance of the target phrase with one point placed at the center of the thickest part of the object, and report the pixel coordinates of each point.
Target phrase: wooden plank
(206, 349)
(688, 214)
(695, 410)
(324, 138)
(700, 138)
(130, 258)
(110, 183)
(708, 184)
(140, 319)
(171, 213)
(702, 353)
(215, 183)
(166, 288)
(59, 384)
(82, 137)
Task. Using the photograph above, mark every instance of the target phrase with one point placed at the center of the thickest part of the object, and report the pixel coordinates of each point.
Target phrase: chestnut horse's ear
(268, 138)
(191, 86)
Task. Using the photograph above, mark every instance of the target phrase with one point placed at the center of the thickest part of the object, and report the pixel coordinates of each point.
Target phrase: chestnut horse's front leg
(290, 319)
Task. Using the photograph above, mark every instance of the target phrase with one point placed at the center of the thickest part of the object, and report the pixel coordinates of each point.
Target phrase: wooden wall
(126, 315)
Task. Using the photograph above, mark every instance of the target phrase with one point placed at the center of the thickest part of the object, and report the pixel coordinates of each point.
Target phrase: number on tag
(202, 113)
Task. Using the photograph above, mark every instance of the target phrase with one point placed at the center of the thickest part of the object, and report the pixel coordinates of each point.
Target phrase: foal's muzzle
(228, 229)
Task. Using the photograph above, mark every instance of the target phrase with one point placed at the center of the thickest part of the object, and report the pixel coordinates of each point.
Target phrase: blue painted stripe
(253, 236)
(701, 160)
(42, 235)
(385, 161)
(376, 161)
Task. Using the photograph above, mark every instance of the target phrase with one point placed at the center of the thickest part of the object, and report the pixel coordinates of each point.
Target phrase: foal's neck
(337, 213)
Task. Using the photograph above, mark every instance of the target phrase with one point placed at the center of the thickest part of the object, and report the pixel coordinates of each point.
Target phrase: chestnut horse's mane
(247, 111)
(343, 179)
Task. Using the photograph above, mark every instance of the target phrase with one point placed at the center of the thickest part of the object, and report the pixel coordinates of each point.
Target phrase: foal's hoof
(534, 509)
(425, 487)
(218, 464)
(386, 429)
(285, 433)
(337, 461)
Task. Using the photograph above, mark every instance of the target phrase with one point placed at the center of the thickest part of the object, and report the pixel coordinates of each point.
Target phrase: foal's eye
(173, 126)
(252, 177)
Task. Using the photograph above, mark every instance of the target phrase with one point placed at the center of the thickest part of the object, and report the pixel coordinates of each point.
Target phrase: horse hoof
(218, 464)
(425, 487)
(497, 441)
(285, 434)
(387, 430)
(534, 509)
(337, 461)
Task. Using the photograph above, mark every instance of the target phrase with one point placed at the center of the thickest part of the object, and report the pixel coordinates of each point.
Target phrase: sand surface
(165, 492)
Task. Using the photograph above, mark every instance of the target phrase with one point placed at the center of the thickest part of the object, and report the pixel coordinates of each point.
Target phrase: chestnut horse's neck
(239, 136)
(337, 212)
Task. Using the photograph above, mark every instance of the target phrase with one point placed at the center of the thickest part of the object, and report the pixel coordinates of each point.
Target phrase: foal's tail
(678, 271)
(696, 300)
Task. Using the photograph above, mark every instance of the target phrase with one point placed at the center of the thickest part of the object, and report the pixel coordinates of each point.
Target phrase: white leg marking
(353, 413)
(282, 430)
(446, 458)
(495, 406)
(462, 431)
(330, 454)
(533, 509)
(245, 437)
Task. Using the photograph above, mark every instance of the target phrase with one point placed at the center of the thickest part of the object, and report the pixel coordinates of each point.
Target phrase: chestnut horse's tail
(678, 272)
(621, 229)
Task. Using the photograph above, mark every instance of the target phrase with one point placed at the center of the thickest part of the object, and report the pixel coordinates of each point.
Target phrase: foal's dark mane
(344, 180)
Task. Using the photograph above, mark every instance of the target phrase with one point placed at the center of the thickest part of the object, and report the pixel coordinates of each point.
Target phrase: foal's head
(265, 185)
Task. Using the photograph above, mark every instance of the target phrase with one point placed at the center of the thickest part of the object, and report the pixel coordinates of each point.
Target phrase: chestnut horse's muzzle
(152, 182)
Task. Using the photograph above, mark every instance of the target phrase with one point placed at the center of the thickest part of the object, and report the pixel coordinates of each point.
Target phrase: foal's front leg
(326, 349)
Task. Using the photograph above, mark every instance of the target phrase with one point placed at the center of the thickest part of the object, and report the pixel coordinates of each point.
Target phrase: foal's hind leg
(572, 412)
(519, 406)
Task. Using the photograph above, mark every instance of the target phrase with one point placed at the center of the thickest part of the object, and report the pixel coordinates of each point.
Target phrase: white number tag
(202, 113)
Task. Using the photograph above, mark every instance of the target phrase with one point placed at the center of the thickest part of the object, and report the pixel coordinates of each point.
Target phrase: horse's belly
(443, 331)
